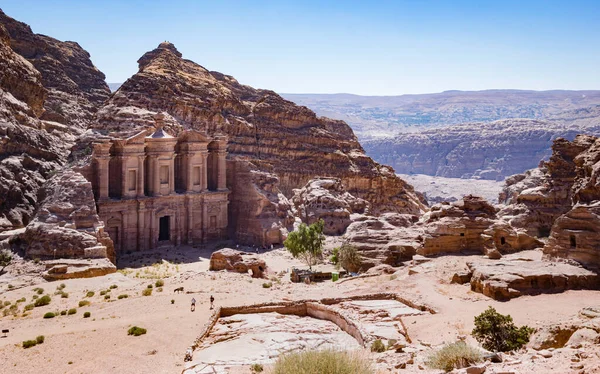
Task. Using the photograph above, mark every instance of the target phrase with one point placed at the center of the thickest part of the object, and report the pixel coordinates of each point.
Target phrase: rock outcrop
(267, 133)
(75, 87)
(327, 199)
(238, 261)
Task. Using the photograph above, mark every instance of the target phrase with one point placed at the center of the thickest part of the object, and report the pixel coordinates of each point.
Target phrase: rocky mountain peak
(165, 52)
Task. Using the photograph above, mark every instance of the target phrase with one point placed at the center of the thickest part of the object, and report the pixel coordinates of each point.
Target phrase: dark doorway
(502, 240)
(164, 232)
(573, 241)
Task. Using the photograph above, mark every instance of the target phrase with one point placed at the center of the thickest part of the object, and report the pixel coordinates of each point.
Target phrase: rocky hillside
(483, 150)
(75, 87)
(274, 145)
(375, 116)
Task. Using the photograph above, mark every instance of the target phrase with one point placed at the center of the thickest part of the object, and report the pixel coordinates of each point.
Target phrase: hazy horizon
(375, 49)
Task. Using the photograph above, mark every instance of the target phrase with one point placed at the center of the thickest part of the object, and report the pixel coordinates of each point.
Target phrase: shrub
(29, 343)
(149, 286)
(29, 307)
(44, 300)
(498, 333)
(307, 242)
(267, 285)
(147, 292)
(63, 312)
(377, 346)
(256, 368)
(106, 297)
(90, 294)
(40, 339)
(87, 315)
(39, 291)
(21, 300)
(124, 296)
(62, 286)
(83, 303)
(136, 331)
(64, 295)
(7, 303)
(172, 301)
(349, 258)
(334, 255)
(159, 289)
(35, 297)
(102, 293)
(49, 315)
(159, 283)
(454, 356)
(391, 343)
(72, 311)
(112, 287)
(321, 362)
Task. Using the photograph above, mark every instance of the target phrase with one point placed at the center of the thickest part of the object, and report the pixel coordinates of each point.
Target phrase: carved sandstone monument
(153, 188)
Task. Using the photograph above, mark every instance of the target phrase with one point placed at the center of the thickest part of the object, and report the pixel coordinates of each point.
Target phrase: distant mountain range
(377, 116)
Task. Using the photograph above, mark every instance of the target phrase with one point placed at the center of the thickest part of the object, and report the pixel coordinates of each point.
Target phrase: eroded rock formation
(234, 260)
(266, 133)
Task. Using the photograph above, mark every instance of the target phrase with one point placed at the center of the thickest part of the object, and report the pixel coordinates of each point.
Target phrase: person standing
(193, 307)
(212, 300)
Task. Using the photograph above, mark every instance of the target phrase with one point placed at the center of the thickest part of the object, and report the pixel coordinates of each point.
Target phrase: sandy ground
(100, 344)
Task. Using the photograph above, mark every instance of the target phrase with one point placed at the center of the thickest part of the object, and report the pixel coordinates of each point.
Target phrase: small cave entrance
(462, 234)
(502, 240)
(544, 232)
(573, 241)
(164, 232)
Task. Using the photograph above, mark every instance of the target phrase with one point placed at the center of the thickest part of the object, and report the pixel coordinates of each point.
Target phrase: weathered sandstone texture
(81, 268)
(241, 262)
(74, 86)
(327, 199)
(266, 133)
(66, 224)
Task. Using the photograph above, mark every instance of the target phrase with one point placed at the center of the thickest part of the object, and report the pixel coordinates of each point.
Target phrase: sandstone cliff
(482, 150)
(266, 133)
(75, 87)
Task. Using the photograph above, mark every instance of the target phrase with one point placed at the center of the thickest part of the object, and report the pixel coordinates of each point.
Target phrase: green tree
(307, 242)
(5, 260)
(497, 332)
(349, 258)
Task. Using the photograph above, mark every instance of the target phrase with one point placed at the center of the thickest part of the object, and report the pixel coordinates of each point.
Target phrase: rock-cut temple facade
(153, 189)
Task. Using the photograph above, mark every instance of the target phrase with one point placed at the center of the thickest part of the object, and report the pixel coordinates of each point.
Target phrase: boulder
(551, 337)
(238, 261)
(69, 269)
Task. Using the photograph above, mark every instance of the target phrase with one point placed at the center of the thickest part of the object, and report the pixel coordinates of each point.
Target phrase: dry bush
(454, 356)
(322, 362)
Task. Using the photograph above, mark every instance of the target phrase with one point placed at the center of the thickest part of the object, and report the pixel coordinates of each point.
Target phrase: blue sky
(368, 47)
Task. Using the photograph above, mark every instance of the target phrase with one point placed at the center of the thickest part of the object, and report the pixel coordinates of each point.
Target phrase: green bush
(149, 286)
(40, 339)
(498, 333)
(49, 315)
(87, 315)
(7, 303)
(147, 292)
(334, 256)
(62, 286)
(83, 303)
(44, 300)
(21, 300)
(102, 293)
(90, 294)
(63, 312)
(322, 362)
(159, 283)
(106, 297)
(172, 301)
(112, 287)
(72, 311)
(256, 368)
(38, 290)
(267, 285)
(124, 296)
(454, 356)
(29, 343)
(377, 346)
(136, 331)
(29, 307)
(349, 258)
(64, 295)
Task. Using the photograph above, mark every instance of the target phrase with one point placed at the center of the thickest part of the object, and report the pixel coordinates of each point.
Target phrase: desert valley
(184, 222)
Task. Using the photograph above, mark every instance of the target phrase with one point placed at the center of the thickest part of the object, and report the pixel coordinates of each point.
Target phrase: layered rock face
(241, 262)
(482, 150)
(75, 87)
(268, 133)
(327, 199)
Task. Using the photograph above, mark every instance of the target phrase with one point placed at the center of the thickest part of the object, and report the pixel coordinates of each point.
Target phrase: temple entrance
(164, 232)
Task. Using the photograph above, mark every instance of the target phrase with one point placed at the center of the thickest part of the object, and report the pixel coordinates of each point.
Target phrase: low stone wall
(321, 311)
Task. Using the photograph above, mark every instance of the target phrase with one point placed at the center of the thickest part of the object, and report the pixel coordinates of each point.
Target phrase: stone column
(156, 181)
(140, 225)
(172, 175)
(221, 172)
(189, 185)
(152, 229)
(140, 176)
(124, 176)
(189, 206)
(102, 176)
(204, 172)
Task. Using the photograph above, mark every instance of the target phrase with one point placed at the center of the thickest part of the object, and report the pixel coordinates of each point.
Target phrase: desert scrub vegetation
(38, 290)
(87, 315)
(136, 331)
(112, 287)
(29, 343)
(349, 258)
(83, 303)
(44, 300)
(267, 285)
(377, 346)
(29, 307)
(123, 296)
(90, 294)
(322, 362)
(147, 292)
(454, 356)
(256, 368)
(159, 283)
(497, 332)
(49, 315)
(72, 311)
